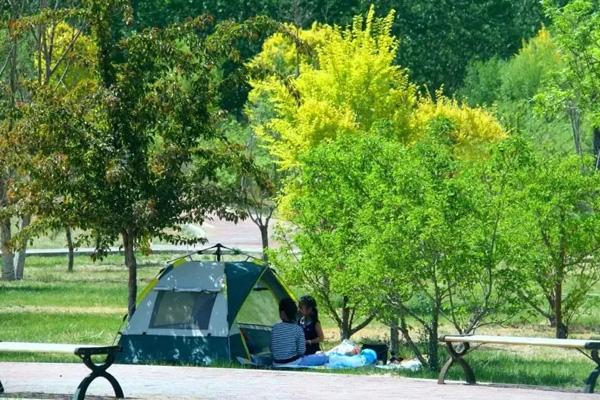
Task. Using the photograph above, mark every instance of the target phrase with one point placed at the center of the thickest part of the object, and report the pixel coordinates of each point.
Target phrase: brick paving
(28, 380)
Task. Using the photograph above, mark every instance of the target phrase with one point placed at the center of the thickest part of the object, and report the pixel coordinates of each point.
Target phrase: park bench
(458, 346)
(82, 351)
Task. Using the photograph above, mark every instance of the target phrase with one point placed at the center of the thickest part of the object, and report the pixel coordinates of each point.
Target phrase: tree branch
(363, 324)
(406, 334)
(67, 51)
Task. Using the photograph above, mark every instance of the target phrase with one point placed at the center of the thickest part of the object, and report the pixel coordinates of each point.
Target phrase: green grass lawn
(507, 367)
(93, 284)
(88, 305)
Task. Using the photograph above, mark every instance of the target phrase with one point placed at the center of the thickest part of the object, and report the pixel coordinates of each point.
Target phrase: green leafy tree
(514, 88)
(257, 184)
(161, 13)
(463, 31)
(63, 59)
(8, 104)
(300, 12)
(143, 154)
(559, 207)
(576, 31)
(233, 87)
(435, 232)
(321, 244)
(40, 50)
(375, 222)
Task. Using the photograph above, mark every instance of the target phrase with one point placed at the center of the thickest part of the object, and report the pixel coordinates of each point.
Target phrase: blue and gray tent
(196, 312)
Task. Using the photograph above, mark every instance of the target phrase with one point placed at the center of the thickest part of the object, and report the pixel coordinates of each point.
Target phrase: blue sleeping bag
(366, 357)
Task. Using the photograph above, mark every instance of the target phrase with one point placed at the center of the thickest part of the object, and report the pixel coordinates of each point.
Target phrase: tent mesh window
(183, 310)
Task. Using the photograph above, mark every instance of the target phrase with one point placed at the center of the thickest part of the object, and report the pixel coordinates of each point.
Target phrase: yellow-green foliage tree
(326, 81)
(78, 51)
(347, 84)
(473, 128)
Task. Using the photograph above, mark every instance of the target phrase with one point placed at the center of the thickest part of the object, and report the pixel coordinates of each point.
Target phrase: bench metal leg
(98, 371)
(85, 383)
(1, 388)
(457, 356)
(590, 382)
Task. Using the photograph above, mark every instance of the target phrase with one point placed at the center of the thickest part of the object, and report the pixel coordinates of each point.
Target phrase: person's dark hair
(309, 301)
(289, 308)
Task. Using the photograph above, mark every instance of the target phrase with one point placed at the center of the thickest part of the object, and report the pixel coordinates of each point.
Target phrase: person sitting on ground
(288, 344)
(309, 321)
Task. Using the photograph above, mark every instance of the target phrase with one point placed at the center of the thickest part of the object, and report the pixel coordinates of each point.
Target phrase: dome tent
(197, 311)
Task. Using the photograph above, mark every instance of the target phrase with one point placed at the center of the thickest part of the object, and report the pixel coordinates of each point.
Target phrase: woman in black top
(309, 321)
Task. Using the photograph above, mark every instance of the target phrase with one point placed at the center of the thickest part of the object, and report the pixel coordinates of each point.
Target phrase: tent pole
(218, 252)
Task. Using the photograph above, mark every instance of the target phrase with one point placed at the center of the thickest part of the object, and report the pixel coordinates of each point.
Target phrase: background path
(244, 236)
(155, 382)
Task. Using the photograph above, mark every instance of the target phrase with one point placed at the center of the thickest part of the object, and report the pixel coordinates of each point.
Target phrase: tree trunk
(561, 328)
(22, 254)
(559, 276)
(394, 339)
(130, 262)
(596, 135)
(345, 328)
(264, 236)
(432, 345)
(408, 339)
(8, 263)
(71, 248)
(575, 119)
(562, 331)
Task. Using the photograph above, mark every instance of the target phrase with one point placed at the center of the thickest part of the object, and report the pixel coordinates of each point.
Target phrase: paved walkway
(154, 382)
(243, 236)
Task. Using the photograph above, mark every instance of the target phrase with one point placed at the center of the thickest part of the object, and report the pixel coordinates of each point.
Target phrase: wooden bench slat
(525, 341)
(25, 347)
